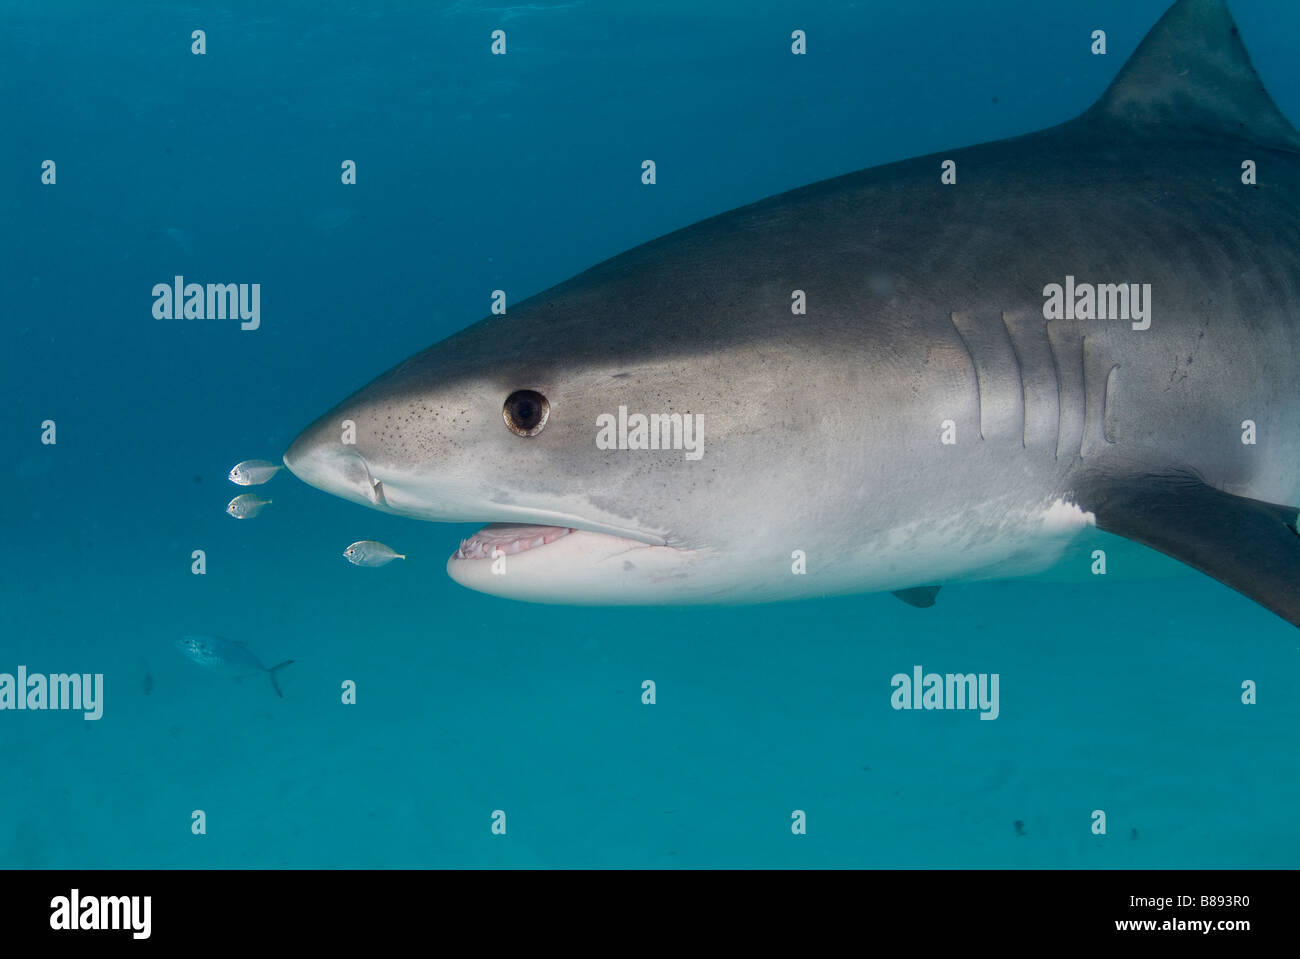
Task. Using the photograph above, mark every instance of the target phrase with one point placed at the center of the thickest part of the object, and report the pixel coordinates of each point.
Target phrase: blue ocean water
(476, 173)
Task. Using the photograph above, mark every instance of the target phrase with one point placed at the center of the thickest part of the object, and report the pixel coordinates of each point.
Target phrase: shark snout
(334, 467)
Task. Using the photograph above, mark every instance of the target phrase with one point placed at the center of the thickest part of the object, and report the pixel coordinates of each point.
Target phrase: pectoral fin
(1247, 544)
(922, 597)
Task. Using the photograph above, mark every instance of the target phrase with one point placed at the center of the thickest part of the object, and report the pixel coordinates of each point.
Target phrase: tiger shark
(950, 368)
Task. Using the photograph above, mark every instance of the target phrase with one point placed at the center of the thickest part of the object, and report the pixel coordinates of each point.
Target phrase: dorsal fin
(1192, 72)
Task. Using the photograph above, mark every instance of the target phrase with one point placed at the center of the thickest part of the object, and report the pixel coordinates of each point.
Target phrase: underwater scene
(392, 484)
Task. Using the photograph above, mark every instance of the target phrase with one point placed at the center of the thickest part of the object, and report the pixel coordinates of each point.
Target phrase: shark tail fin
(1192, 73)
(271, 672)
(1247, 544)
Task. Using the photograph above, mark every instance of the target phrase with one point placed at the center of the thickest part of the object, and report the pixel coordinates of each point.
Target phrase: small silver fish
(253, 472)
(367, 552)
(227, 657)
(246, 505)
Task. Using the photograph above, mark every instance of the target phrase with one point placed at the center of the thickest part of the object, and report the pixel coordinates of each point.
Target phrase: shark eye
(525, 412)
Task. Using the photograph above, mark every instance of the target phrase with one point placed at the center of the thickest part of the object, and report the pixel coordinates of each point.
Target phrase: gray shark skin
(824, 433)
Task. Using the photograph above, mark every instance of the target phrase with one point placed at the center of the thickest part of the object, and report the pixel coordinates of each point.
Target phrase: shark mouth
(507, 539)
(566, 564)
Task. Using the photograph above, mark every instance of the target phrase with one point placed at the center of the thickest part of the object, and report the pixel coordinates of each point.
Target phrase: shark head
(615, 434)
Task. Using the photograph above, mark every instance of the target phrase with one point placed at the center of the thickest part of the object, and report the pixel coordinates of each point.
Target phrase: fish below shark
(944, 369)
(228, 657)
